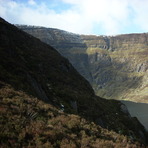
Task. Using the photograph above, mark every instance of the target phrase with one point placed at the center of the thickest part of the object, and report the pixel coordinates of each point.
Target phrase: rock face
(115, 66)
(119, 66)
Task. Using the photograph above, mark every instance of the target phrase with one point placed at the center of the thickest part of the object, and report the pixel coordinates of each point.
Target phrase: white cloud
(31, 2)
(111, 16)
(140, 8)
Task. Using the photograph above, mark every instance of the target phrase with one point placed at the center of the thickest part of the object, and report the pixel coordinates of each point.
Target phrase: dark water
(139, 110)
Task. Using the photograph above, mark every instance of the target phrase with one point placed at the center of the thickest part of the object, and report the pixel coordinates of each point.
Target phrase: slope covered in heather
(45, 102)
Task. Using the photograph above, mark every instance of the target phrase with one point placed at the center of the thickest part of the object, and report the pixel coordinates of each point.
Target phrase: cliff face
(116, 66)
(119, 66)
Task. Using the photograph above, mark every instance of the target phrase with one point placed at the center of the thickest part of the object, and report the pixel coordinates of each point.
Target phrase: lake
(139, 110)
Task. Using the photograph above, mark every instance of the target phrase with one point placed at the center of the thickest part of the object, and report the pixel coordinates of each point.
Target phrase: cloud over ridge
(79, 16)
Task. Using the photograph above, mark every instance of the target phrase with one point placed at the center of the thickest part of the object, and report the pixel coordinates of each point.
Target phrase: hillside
(46, 103)
(115, 66)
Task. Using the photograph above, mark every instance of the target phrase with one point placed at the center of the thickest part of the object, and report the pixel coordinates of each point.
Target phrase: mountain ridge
(112, 65)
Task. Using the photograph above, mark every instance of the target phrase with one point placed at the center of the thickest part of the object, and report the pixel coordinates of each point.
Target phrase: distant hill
(45, 102)
(115, 66)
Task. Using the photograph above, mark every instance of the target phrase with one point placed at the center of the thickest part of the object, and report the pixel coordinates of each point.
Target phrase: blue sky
(100, 17)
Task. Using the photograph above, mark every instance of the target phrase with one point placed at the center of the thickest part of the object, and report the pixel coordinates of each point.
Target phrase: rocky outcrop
(115, 66)
(119, 66)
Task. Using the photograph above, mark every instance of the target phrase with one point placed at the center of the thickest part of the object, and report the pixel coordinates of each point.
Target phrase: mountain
(45, 102)
(115, 66)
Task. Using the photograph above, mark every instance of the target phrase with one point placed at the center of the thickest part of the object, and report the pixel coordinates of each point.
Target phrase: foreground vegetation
(29, 122)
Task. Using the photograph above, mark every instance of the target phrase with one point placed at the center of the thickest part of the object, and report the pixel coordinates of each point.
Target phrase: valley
(45, 102)
(115, 66)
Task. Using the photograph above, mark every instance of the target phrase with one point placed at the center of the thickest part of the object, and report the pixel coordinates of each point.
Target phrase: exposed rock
(38, 89)
(125, 110)
(74, 105)
(100, 122)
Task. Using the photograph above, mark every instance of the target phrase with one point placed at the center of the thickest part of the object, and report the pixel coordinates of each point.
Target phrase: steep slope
(40, 92)
(116, 67)
(67, 44)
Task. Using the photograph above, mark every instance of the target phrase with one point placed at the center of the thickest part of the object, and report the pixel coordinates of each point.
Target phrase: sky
(99, 17)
